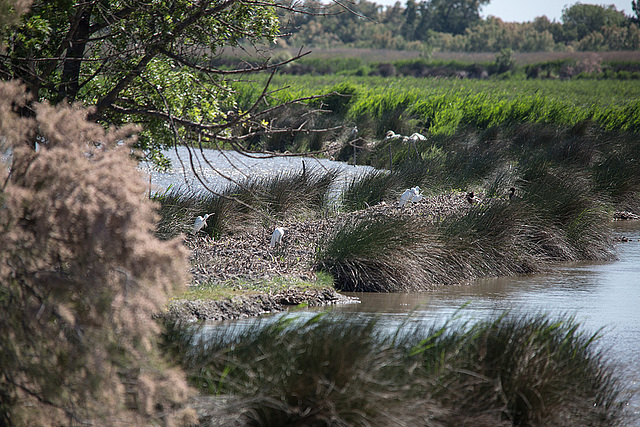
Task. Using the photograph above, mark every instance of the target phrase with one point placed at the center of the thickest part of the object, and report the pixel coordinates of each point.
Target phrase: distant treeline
(442, 25)
(583, 66)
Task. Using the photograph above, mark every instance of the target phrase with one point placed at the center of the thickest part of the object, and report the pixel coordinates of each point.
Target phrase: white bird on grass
(415, 137)
(410, 195)
(354, 133)
(392, 135)
(201, 221)
(276, 237)
(416, 194)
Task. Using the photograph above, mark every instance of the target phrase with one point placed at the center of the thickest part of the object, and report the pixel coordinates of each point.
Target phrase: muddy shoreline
(242, 306)
(244, 256)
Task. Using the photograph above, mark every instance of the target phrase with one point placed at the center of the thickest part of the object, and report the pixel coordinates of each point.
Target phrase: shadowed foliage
(382, 254)
(525, 370)
(336, 370)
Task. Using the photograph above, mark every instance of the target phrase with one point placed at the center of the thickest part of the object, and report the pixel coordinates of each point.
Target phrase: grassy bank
(567, 182)
(331, 370)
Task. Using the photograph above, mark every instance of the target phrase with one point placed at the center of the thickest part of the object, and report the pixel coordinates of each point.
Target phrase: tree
(454, 16)
(141, 61)
(81, 273)
(411, 18)
(581, 20)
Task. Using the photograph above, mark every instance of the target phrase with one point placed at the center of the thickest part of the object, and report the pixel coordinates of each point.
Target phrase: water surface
(600, 295)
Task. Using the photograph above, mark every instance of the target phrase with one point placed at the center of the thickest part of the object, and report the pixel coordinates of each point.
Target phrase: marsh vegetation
(334, 370)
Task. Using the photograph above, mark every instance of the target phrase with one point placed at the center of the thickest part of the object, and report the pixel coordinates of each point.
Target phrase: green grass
(382, 254)
(450, 105)
(253, 200)
(556, 216)
(335, 370)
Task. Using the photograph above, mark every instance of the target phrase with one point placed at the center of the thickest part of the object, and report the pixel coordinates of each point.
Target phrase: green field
(449, 105)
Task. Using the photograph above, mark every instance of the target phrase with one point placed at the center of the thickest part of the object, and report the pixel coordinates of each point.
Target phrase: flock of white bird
(201, 222)
(413, 138)
(410, 195)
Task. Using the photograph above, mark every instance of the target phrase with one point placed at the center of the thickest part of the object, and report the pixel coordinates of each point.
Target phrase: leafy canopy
(143, 61)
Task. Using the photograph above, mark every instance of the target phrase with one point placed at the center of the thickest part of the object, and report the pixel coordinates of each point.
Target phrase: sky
(527, 10)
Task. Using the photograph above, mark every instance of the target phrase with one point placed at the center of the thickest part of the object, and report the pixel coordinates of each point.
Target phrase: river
(600, 295)
(233, 165)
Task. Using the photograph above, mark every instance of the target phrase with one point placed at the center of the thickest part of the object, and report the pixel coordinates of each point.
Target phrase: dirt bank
(241, 306)
(244, 256)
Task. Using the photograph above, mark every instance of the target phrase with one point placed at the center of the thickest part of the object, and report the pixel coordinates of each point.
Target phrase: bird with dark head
(471, 198)
(512, 193)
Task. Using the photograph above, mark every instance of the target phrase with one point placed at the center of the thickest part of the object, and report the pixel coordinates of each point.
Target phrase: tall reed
(339, 370)
(253, 200)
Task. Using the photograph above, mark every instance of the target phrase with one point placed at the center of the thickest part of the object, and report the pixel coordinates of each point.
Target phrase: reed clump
(521, 370)
(333, 370)
(258, 200)
(368, 189)
(552, 215)
(382, 254)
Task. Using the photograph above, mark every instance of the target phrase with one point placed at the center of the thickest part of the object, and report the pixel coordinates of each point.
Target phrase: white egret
(392, 135)
(415, 137)
(354, 133)
(416, 196)
(405, 197)
(276, 237)
(201, 221)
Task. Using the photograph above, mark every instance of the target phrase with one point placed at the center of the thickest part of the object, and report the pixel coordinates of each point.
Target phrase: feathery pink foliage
(81, 272)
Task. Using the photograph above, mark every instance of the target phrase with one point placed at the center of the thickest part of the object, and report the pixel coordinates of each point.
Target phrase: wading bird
(416, 137)
(276, 237)
(200, 222)
(354, 133)
(410, 195)
(413, 139)
(471, 198)
(416, 194)
(392, 135)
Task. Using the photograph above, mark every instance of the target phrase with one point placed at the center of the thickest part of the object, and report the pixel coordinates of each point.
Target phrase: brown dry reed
(81, 274)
